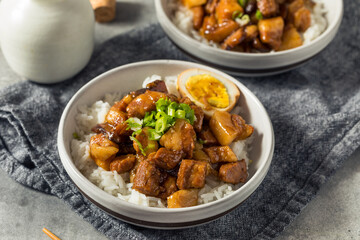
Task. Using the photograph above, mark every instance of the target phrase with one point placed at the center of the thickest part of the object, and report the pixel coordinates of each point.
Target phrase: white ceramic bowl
(130, 77)
(250, 64)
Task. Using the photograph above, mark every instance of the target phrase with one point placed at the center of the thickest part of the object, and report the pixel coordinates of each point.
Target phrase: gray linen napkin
(315, 112)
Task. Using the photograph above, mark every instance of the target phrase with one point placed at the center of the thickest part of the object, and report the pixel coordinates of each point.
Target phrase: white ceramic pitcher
(46, 41)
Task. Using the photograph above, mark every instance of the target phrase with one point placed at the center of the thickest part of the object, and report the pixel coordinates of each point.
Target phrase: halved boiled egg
(208, 90)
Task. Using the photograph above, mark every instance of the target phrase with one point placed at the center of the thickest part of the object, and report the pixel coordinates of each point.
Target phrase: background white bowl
(250, 64)
(130, 77)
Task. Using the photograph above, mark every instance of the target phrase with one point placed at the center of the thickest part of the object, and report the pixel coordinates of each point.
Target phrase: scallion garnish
(243, 3)
(161, 120)
(258, 15)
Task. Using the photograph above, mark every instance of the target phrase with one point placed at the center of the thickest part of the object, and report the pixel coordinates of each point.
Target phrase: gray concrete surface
(333, 214)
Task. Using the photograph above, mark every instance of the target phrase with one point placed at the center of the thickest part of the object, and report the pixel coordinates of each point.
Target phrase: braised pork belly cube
(200, 155)
(157, 86)
(233, 172)
(166, 158)
(220, 154)
(221, 31)
(234, 39)
(209, 24)
(115, 116)
(228, 127)
(302, 19)
(117, 133)
(191, 174)
(291, 38)
(123, 103)
(168, 187)
(102, 151)
(299, 15)
(271, 31)
(225, 8)
(267, 8)
(139, 159)
(144, 103)
(183, 198)
(123, 164)
(180, 137)
(207, 136)
(293, 7)
(147, 179)
(244, 130)
(222, 127)
(147, 146)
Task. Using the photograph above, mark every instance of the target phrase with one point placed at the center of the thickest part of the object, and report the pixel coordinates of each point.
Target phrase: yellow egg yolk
(208, 90)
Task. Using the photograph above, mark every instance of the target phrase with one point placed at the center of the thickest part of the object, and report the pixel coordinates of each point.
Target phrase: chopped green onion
(162, 118)
(245, 19)
(76, 136)
(258, 15)
(134, 124)
(160, 125)
(180, 114)
(243, 3)
(153, 135)
(149, 146)
(139, 145)
(201, 141)
(236, 14)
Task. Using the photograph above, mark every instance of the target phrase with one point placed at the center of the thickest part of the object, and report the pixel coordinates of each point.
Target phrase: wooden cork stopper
(105, 10)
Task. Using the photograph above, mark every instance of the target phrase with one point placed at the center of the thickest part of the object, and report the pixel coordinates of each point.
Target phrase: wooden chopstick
(50, 234)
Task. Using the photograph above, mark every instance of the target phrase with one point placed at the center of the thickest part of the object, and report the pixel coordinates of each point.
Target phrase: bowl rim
(72, 170)
(183, 36)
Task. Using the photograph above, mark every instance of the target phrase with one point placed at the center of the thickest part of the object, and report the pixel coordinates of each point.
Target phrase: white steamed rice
(182, 18)
(119, 185)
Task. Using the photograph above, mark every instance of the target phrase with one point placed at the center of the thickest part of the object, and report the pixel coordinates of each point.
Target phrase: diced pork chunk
(115, 116)
(291, 38)
(221, 31)
(157, 86)
(139, 159)
(302, 19)
(102, 151)
(220, 154)
(183, 198)
(123, 103)
(271, 31)
(166, 158)
(251, 32)
(223, 128)
(168, 187)
(233, 172)
(180, 137)
(199, 115)
(123, 163)
(191, 174)
(144, 103)
(244, 130)
(234, 39)
(225, 8)
(147, 179)
(207, 137)
(267, 8)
